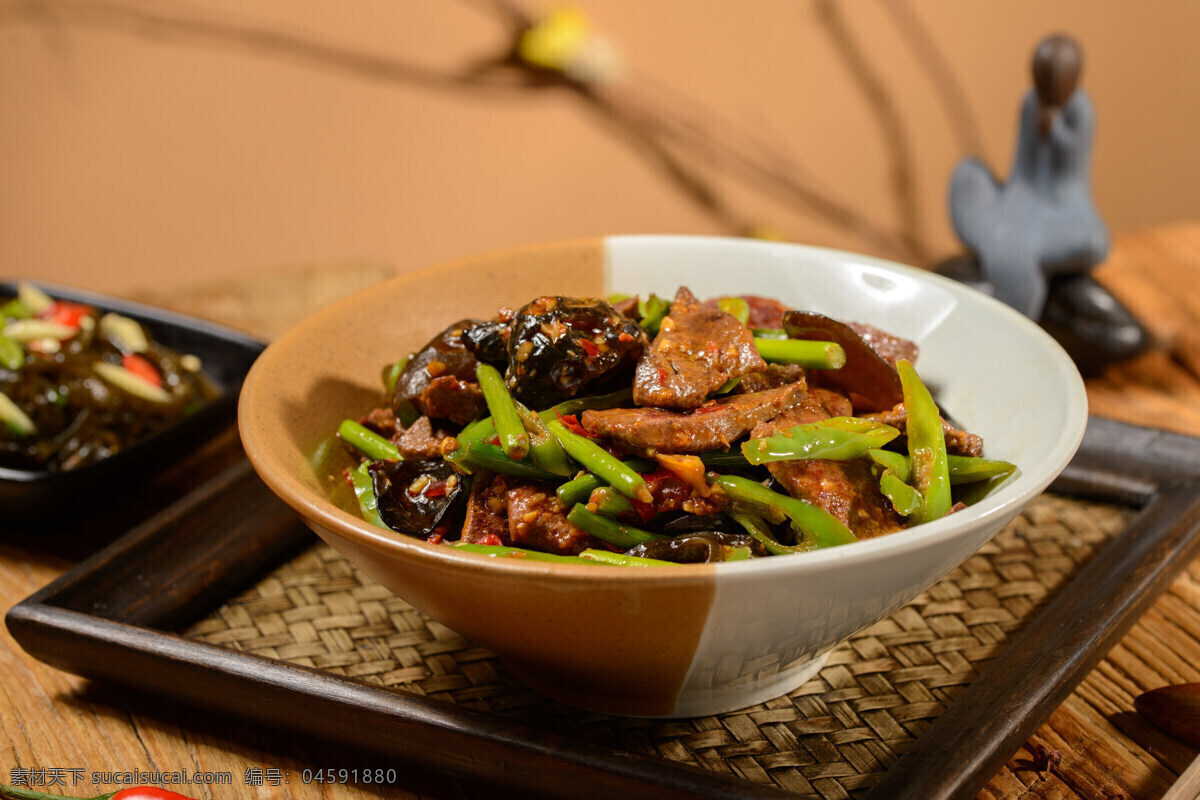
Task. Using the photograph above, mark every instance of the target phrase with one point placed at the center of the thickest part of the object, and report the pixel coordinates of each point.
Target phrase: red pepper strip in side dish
(130, 793)
(926, 445)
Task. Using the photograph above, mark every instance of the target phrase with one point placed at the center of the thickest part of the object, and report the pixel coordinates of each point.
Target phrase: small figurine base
(1092, 325)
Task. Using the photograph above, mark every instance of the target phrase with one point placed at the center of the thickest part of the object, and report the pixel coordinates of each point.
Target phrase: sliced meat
(891, 347)
(420, 440)
(696, 351)
(537, 521)
(848, 490)
(774, 376)
(818, 404)
(712, 427)
(486, 520)
(868, 378)
(958, 442)
(451, 398)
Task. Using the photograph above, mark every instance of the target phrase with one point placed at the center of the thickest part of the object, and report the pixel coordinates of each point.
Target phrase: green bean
(904, 498)
(838, 438)
(490, 457)
(609, 502)
(12, 355)
(824, 529)
(622, 560)
(736, 307)
(600, 462)
(652, 310)
(926, 445)
(544, 450)
(364, 492)
(757, 527)
(368, 442)
(805, 352)
(581, 486)
(608, 530)
(769, 333)
(513, 439)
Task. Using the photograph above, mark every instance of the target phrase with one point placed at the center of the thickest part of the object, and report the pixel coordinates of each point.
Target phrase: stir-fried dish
(641, 431)
(79, 384)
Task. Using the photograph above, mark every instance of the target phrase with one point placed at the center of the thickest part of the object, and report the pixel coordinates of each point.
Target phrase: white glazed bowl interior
(767, 622)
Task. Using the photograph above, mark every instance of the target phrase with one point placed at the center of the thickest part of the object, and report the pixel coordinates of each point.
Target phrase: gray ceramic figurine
(1035, 238)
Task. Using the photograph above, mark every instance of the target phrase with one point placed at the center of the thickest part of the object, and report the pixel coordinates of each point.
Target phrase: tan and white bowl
(695, 639)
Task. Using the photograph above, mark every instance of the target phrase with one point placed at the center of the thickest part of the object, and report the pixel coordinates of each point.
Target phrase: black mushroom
(414, 497)
(439, 379)
(557, 346)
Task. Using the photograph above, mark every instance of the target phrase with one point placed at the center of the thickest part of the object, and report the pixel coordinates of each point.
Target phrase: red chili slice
(491, 539)
(589, 347)
(142, 368)
(64, 312)
(572, 423)
(436, 489)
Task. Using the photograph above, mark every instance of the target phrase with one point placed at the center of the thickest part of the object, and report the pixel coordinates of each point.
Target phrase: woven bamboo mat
(828, 739)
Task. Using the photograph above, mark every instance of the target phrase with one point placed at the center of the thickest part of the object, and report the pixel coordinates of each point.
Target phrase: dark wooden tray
(112, 619)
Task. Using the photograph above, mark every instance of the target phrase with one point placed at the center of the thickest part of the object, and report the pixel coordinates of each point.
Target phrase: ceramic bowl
(695, 639)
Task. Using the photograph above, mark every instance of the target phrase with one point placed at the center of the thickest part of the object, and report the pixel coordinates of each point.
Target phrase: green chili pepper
(652, 310)
(838, 438)
(963, 469)
(736, 307)
(757, 527)
(926, 445)
(904, 498)
(824, 529)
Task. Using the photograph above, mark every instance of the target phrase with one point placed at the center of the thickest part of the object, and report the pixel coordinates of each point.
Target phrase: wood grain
(49, 719)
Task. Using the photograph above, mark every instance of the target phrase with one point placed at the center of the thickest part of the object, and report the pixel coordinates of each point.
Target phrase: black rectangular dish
(226, 356)
(112, 619)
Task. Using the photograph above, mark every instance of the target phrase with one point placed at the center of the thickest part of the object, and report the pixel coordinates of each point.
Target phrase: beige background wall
(149, 143)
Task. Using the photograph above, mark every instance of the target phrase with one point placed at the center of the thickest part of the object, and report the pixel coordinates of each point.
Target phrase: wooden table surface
(60, 726)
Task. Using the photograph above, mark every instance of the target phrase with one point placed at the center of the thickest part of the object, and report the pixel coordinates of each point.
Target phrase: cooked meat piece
(696, 351)
(381, 420)
(817, 405)
(891, 347)
(868, 378)
(775, 375)
(420, 440)
(446, 362)
(557, 346)
(958, 442)
(766, 313)
(712, 427)
(537, 521)
(486, 520)
(450, 398)
(848, 490)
